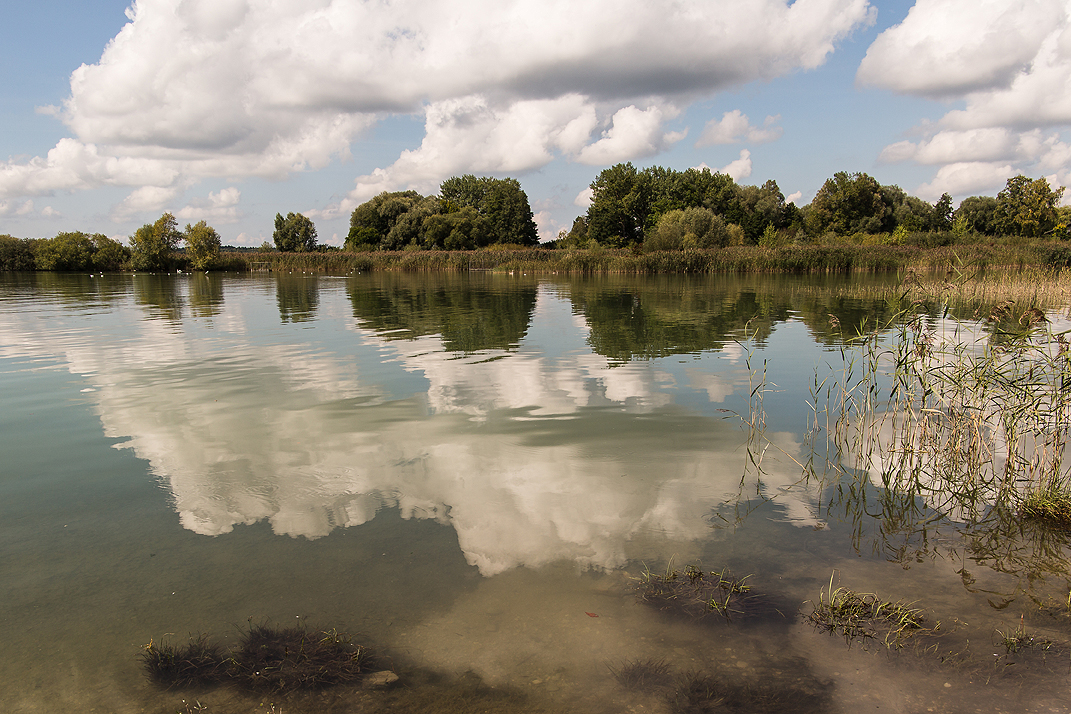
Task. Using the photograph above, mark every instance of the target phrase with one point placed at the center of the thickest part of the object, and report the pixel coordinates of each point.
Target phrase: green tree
(372, 221)
(847, 204)
(17, 254)
(695, 227)
(202, 245)
(978, 214)
(1027, 207)
(501, 202)
(109, 254)
(67, 251)
(294, 233)
(152, 246)
(460, 230)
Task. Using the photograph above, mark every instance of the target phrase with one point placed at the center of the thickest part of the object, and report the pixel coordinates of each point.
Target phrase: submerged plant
(197, 663)
(694, 592)
(281, 659)
(642, 675)
(865, 616)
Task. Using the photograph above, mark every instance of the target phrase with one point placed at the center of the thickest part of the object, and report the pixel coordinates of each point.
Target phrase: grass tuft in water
(279, 659)
(693, 591)
(198, 663)
(643, 675)
(865, 616)
(1019, 639)
(1051, 506)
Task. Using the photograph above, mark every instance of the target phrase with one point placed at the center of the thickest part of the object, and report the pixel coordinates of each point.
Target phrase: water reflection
(469, 315)
(298, 296)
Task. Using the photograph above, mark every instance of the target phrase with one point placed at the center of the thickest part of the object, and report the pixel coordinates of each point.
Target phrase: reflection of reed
(956, 423)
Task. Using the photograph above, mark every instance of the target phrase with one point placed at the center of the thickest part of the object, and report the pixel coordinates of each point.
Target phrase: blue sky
(233, 110)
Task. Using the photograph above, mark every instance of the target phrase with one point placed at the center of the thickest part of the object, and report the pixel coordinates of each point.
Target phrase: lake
(472, 474)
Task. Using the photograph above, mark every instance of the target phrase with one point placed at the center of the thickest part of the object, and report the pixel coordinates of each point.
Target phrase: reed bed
(792, 259)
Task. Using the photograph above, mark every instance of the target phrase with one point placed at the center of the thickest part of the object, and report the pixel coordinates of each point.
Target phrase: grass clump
(289, 658)
(865, 616)
(1051, 506)
(278, 659)
(642, 675)
(199, 662)
(694, 592)
(1019, 640)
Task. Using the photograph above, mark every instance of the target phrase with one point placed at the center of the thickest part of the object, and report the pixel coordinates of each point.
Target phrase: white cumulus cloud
(735, 127)
(1008, 64)
(192, 89)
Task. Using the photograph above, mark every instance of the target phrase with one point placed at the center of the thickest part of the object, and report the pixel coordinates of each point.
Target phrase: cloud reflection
(531, 456)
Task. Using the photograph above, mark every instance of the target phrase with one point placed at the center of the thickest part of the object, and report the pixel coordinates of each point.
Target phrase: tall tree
(294, 233)
(501, 202)
(152, 246)
(202, 245)
(847, 204)
(1027, 207)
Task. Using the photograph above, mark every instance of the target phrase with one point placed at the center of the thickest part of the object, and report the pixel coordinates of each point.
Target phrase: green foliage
(16, 254)
(1027, 207)
(152, 246)
(846, 204)
(461, 230)
(372, 221)
(109, 255)
(688, 228)
(202, 245)
(501, 202)
(67, 251)
(295, 233)
(978, 214)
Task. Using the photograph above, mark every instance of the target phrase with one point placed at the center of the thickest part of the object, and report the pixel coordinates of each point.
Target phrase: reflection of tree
(73, 288)
(649, 318)
(298, 296)
(206, 294)
(160, 292)
(471, 313)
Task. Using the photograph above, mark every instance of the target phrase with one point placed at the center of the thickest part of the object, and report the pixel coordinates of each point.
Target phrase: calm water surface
(469, 472)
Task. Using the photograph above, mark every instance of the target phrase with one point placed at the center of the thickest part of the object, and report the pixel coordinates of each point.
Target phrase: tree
(1027, 207)
(202, 245)
(847, 204)
(501, 202)
(67, 251)
(152, 246)
(689, 228)
(294, 233)
(109, 254)
(978, 214)
(372, 221)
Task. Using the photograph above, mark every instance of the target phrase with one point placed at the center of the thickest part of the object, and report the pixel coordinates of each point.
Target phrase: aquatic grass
(1049, 506)
(642, 675)
(865, 616)
(197, 663)
(1018, 639)
(694, 592)
(266, 657)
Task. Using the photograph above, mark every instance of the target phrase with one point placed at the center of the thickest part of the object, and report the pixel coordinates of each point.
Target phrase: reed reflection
(298, 296)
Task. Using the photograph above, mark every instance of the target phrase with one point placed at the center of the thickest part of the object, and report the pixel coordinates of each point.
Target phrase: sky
(231, 111)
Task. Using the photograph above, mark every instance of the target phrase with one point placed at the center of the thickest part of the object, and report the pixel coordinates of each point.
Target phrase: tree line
(653, 209)
(664, 209)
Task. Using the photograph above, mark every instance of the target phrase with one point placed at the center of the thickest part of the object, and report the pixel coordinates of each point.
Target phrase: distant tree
(689, 228)
(152, 246)
(294, 233)
(942, 213)
(1027, 207)
(459, 230)
(847, 204)
(109, 254)
(978, 214)
(67, 251)
(17, 254)
(501, 202)
(372, 221)
(620, 204)
(408, 228)
(202, 245)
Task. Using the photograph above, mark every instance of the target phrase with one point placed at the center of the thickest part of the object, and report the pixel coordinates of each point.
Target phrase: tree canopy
(294, 233)
(152, 246)
(469, 212)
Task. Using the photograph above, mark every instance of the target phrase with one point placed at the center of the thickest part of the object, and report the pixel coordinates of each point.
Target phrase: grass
(694, 592)
(277, 659)
(1018, 640)
(1050, 506)
(644, 675)
(199, 662)
(817, 258)
(865, 616)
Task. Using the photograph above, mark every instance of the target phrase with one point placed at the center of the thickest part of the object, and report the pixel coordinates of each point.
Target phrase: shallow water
(469, 472)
